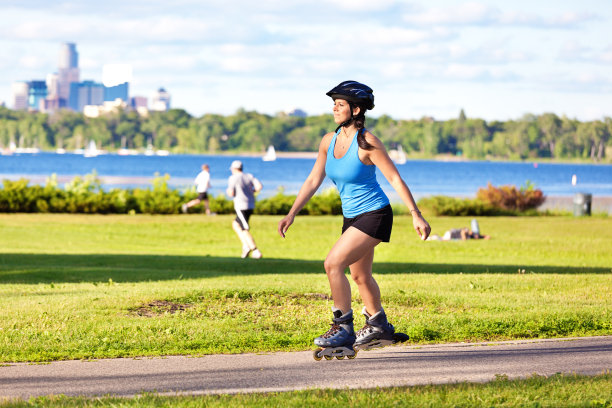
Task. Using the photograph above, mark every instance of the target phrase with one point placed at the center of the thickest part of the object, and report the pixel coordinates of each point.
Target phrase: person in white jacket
(202, 182)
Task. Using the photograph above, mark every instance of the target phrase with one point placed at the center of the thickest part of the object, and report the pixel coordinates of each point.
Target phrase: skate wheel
(340, 357)
(353, 356)
(328, 358)
(316, 354)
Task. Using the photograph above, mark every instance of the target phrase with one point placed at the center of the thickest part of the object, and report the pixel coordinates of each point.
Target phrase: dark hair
(359, 121)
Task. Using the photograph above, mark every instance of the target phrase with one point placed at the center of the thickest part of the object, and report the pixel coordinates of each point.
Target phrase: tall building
(52, 101)
(52, 85)
(68, 57)
(68, 71)
(117, 92)
(20, 95)
(160, 101)
(37, 92)
(85, 93)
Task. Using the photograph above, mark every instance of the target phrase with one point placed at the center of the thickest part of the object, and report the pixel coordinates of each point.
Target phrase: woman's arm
(310, 186)
(379, 157)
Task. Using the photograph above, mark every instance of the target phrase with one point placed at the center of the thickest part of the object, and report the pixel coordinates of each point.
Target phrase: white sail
(150, 151)
(270, 154)
(92, 150)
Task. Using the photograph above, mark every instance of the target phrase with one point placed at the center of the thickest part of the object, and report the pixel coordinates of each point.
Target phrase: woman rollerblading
(350, 157)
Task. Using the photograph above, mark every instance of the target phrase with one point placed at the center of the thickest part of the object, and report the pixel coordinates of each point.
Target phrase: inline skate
(338, 340)
(377, 332)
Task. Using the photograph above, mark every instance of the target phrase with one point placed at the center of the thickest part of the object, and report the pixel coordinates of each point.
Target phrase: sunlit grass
(117, 286)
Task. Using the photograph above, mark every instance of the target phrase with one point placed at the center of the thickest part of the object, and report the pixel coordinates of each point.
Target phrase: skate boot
(377, 332)
(339, 339)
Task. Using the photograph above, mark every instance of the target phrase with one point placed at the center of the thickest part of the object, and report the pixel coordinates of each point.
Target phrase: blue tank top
(356, 182)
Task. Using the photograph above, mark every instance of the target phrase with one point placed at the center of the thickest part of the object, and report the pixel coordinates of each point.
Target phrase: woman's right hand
(284, 224)
(420, 225)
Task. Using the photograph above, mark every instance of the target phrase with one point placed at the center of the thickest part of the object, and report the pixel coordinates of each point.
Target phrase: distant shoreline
(438, 158)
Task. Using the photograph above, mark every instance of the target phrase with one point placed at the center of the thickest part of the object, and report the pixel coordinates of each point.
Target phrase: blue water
(424, 177)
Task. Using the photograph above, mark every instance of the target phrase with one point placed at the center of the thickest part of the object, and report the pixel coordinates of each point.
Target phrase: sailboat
(92, 150)
(401, 156)
(150, 151)
(270, 154)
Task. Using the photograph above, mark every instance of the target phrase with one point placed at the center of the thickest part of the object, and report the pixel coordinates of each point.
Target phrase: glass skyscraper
(37, 92)
(116, 92)
(85, 93)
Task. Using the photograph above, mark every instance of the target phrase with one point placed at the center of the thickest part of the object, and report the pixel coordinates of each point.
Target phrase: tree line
(530, 137)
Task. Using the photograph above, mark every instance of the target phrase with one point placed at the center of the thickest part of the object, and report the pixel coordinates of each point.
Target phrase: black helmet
(353, 91)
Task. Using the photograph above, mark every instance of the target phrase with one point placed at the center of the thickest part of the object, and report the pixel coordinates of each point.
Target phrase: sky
(496, 60)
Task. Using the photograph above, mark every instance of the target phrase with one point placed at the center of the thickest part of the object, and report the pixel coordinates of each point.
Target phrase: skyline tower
(68, 71)
(68, 57)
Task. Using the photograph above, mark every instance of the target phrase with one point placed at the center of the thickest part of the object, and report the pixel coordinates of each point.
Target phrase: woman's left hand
(421, 226)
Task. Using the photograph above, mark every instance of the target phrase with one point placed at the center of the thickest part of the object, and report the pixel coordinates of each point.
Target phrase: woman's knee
(361, 278)
(333, 265)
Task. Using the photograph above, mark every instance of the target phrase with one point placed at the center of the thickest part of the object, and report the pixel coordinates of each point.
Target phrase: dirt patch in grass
(159, 307)
(320, 296)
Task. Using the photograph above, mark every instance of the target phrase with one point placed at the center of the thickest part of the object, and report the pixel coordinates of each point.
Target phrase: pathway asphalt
(390, 366)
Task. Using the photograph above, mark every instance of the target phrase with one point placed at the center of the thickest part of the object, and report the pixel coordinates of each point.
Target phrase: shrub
(452, 206)
(221, 205)
(511, 198)
(278, 204)
(85, 195)
(327, 202)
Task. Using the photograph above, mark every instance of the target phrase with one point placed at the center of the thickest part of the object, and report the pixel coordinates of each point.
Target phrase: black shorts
(377, 223)
(203, 196)
(242, 218)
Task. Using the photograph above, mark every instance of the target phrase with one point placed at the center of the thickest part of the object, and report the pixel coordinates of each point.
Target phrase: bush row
(503, 200)
(85, 195)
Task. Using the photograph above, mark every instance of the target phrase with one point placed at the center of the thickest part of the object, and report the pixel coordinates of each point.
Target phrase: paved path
(391, 366)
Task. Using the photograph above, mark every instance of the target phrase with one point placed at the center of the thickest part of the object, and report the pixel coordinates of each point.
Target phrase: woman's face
(342, 111)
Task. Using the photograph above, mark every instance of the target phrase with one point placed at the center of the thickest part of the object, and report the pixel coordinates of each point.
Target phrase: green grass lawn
(93, 286)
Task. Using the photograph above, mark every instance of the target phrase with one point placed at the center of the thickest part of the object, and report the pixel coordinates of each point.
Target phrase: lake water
(424, 177)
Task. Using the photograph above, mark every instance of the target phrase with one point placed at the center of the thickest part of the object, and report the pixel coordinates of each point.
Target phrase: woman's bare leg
(361, 272)
(348, 250)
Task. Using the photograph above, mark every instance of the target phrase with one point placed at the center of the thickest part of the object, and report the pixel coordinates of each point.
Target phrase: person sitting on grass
(463, 234)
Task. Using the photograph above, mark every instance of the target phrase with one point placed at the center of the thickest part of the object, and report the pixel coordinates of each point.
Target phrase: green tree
(550, 125)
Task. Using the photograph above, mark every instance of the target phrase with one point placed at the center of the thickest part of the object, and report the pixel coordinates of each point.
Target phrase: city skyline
(496, 61)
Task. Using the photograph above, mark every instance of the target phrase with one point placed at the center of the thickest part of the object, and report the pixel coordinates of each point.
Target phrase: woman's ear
(356, 110)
